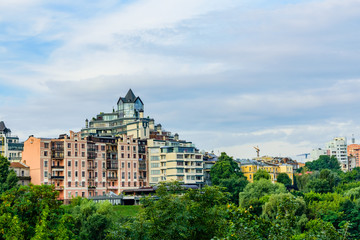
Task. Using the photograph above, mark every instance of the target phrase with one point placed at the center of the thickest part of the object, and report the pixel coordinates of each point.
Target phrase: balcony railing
(91, 187)
(112, 187)
(112, 167)
(60, 167)
(24, 178)
(57, 155)
(91, 178)
(57, 177)
(92, 167)
(112, 178)
(59, 188)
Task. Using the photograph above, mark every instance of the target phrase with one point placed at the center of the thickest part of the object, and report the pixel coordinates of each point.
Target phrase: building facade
(171, 160)
(353, 150)
(22, 172)
(10, 147)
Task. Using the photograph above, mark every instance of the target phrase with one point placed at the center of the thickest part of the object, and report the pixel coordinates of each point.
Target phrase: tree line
(323, 203)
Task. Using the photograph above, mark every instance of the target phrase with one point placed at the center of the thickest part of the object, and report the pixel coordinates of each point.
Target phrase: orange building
(354, 150)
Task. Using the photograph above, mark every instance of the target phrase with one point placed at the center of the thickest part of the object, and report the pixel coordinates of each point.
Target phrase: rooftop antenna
(353, 139)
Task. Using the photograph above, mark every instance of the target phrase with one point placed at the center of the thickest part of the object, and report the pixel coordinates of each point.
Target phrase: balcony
(91, 178)
(59, 188)
(91, 188)
(92, 167)
(24, 178)
(112, 178)
(112, 167)
(57, 167)
(112, 187)
(57, 155)
(57, 177)
(91, 156)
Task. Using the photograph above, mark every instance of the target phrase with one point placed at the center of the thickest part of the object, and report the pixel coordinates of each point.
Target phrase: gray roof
(3, 127)
(129, 98)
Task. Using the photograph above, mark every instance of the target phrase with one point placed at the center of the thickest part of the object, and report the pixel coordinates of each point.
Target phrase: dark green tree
(224, 168)
(261, 174)
(234, 185)
(8, 178)
(324, 162)
(284, 179)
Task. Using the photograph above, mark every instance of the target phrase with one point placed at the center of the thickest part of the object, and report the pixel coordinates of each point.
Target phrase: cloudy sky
(227, 75)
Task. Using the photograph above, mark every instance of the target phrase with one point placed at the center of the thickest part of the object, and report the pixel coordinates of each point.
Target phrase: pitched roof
(18, 165)
(129, 98)
(3, 128)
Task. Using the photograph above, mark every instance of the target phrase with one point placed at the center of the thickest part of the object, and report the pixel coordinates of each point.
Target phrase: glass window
(45, 163)
(69, 173)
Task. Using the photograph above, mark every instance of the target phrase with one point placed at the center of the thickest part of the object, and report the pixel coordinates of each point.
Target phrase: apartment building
(338, 148)
(175, 160)
(76, 167)
(353, 150)
(127, 119)
(10, 147)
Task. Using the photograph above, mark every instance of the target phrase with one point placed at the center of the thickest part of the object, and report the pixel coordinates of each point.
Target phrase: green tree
(324, 182)
(284, 179)
(324, 162)
(257, 193)
(8, 178)
(261, 174)
(286, 210)
(224, 168)
(319, 229)
(234, 185)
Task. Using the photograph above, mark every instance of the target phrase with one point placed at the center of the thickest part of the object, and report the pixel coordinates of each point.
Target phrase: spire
(130, 96)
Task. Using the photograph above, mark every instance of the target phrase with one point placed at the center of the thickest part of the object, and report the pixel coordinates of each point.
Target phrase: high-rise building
(353, 150)
(127, 119)
(338, 148)
(10, 147)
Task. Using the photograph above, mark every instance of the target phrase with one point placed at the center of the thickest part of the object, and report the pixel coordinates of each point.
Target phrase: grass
(127, 210)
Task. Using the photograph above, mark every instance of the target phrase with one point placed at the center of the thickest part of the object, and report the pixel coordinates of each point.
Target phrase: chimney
(87, 123)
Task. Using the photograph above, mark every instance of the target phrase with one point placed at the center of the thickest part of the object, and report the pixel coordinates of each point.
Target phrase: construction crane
(257, 151)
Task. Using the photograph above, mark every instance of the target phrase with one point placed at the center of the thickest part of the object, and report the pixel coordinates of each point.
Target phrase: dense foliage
(326, 206)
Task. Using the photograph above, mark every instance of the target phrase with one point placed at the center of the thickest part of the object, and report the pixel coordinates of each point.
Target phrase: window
(76, 163)
(134, 175)
(45, 174)
(134, 164)
(122, 155)
(122, 164)
(129, 175)
(103, 193)
(122, 184)
(128, 155)
(76, 154)
(122, 147)
(128, 148)
(83, 154)
(134, 148)
(83, 146)
(83, 164)
(128, 184)
(154, 165)
(128, 165)
(69, 194)
(46, 145)
(83, 194)
(104, 174)
(69, 184)
(102, 148)
(75, 145)
(45, 153)
(45, 163)
(180, 170)
(83, 184)
(123, 175)
(155, 172)
(83, 174)
(103, 165)
(69, 154)
(103, 184)
(96, 174)
(134, 155)
(76, 194)
(154, 158)
(76, 184)
(69, 163)
(69, 145)
(76, 173)
(69, 173)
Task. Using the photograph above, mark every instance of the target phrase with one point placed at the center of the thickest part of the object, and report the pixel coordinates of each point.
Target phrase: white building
(10, 147)
(338, 148)
(316, 153)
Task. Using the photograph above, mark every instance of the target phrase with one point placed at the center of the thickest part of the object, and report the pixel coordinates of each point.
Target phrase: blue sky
(227, 75)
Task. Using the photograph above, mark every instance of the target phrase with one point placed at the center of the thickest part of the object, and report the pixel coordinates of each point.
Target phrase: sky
(227, 75)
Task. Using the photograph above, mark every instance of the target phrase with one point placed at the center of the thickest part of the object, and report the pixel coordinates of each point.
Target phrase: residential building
(75, 166)
(353, 150)
(338, 148)
(10, 147)
(128, 119)
(22, 172)
(209, 160)
(316, 153)
(250, 167)
(174, 160)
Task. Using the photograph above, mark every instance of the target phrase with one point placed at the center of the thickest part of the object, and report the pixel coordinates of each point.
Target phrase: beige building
(174, 160)
(22, 172)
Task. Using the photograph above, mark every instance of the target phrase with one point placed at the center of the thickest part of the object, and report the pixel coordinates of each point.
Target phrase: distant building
(316, 153)
(250, 167)
(22, 172)
(128, 119)
(353, 150)
(10, 147)
(210, 160)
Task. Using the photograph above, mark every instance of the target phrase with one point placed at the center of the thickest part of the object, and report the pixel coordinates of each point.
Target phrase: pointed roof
(129, 98)
(3, 128)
